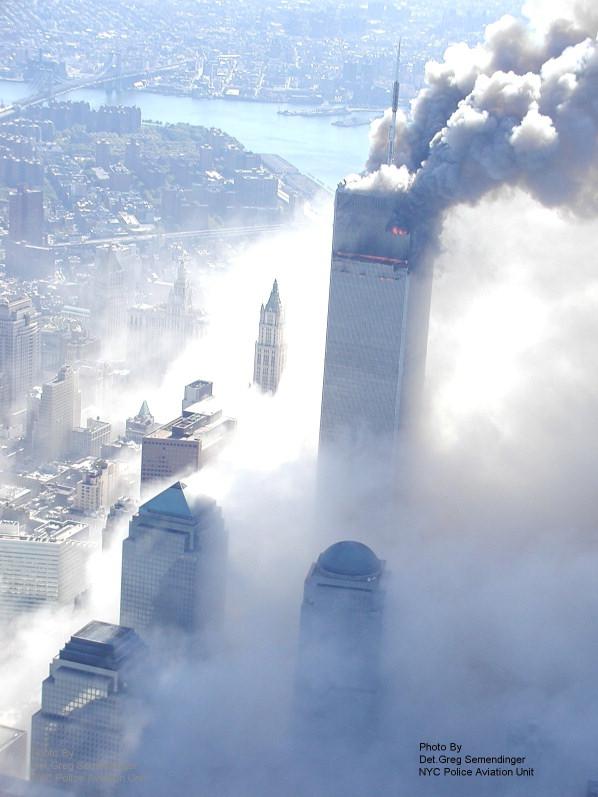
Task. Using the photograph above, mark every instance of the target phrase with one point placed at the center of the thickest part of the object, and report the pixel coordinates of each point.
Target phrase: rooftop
(51, 531)
(177, 501)
(350, 559)
(144, 411)
(193, 426)
(102, 645)
(8, 736)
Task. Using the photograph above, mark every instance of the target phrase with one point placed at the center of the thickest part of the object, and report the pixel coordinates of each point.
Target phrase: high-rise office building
(19, 349)
(183, 446)
(155, 330)
(180, 300)
(59, 412)
(378, 312)
(111, 293)
(195, 392)
(270, 348)
(87, 441)
(80, 737)
(42, 566)
(340, 642)
(26, 216)
(97, 489)
(174, 564)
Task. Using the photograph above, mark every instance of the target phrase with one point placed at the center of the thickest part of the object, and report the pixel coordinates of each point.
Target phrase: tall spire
(270, 349)
(181, 296)
(274, 304)
(392, 131)
(144, 411)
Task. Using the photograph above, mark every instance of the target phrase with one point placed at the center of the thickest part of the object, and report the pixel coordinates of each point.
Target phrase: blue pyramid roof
(144, 411)
(171, 501)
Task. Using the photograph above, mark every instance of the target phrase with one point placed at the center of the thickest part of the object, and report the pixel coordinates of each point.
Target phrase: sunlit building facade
(79, 737)
(270, 347)
(59, 413)
(19, 350)
(173, 564)
(45, 566)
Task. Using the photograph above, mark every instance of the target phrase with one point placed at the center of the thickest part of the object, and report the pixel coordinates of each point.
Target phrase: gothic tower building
(270, 348)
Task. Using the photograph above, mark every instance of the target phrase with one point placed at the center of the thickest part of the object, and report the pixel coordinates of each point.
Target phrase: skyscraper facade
(378, 313)
(97, 489)
(58, 414)
(174, 562)
(88, 440)
(79, 736)
(26, 216)
(111, 292)
(154, 331)
(270, 348)
(42, 566)
(19, 349)
(340, 642)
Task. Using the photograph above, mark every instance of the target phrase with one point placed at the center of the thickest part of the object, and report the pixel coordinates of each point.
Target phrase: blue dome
(349, 558)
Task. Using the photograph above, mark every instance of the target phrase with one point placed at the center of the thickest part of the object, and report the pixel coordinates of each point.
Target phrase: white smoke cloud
(491, 552)
(274, 432)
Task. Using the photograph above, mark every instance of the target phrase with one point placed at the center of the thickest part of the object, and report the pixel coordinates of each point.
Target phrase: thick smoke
(521, 109)
(492, 555)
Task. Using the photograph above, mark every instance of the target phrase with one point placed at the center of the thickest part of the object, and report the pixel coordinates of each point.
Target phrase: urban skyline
(297, 490)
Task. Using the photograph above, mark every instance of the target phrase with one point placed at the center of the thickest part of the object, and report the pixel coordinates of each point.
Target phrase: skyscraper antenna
(395, 105)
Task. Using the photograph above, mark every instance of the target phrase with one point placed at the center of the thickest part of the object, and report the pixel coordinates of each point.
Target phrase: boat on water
(317, 112)
(352, 121)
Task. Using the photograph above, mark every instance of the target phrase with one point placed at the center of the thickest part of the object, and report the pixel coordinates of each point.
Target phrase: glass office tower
(174, 562)
(338, 674)
(79, 737)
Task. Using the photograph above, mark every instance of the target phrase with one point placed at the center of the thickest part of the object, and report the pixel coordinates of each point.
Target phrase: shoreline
(303, 103)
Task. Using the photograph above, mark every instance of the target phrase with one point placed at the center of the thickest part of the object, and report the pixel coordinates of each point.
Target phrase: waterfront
(314, 145)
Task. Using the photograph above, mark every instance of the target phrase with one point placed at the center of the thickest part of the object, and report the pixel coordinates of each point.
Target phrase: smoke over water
(521, 109)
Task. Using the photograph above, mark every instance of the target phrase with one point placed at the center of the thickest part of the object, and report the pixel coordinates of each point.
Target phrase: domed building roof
(348, 558)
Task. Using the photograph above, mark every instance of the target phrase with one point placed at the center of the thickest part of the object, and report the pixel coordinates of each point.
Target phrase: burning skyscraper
(378, 311)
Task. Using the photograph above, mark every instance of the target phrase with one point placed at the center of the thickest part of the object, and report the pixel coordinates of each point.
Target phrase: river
(314, 145)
